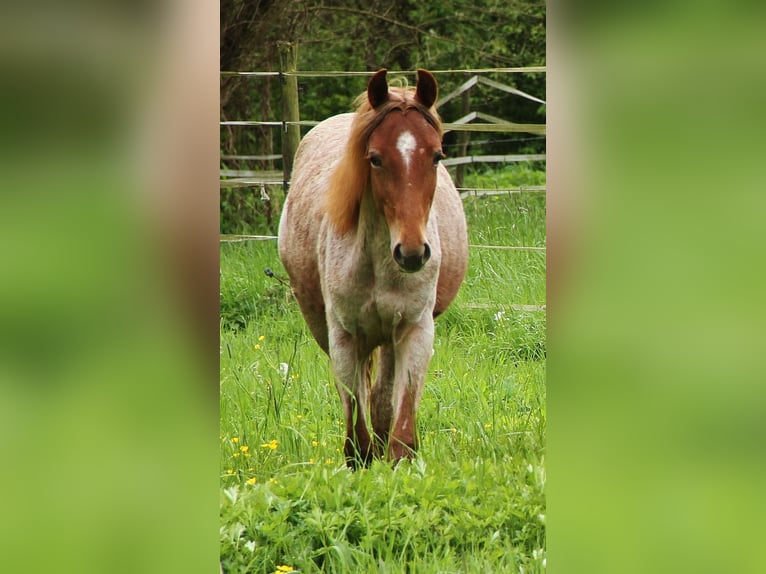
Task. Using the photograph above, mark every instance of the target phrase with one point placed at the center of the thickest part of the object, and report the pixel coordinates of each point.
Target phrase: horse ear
(427, 89)
(377, 89)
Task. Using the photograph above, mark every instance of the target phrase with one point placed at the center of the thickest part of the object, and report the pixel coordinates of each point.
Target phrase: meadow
(473, 500)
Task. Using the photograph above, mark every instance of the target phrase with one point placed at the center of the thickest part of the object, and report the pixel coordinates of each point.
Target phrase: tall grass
(473, 499)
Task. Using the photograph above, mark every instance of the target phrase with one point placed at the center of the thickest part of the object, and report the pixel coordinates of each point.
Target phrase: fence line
(512, 307)
(291, 122)
(475, 80)
(507, 247)
(252, 157)
(337, 74)
(230, 238)
(224, 238)
(457, 127)
(469, 192)
(499, 128)
(248, 173)
(464, 191)
(268, 123)
(475, 143)
(493, 159)
(447, 162)
(236, 183)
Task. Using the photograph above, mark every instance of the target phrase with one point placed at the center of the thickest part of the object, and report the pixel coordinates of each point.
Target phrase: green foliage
(521, 174)
(473, 500)
(407, 35)
(467, 518)
(250, 210)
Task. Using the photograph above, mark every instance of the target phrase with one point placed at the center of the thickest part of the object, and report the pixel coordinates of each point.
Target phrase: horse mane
(352, 176)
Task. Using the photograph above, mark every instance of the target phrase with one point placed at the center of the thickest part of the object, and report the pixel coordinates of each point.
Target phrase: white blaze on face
(406, 145)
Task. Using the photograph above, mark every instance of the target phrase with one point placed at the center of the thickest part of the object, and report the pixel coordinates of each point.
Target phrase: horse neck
(373, 236)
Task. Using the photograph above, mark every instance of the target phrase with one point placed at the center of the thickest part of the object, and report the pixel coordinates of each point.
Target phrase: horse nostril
(398, 254)
(411, 262)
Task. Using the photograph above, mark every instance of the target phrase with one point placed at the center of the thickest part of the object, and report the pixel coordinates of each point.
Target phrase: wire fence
(349, 74)
(237, 238)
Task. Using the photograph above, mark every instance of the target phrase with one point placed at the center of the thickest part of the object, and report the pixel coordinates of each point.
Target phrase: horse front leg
(412, 354)
(352, 381)
(381, 403)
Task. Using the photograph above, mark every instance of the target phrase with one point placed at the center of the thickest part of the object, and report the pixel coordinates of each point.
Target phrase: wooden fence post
(291, 134)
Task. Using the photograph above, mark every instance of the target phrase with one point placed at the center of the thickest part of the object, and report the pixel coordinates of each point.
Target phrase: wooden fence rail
(339, 74)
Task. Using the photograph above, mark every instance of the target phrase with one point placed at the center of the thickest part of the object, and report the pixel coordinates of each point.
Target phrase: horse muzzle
(413, 260)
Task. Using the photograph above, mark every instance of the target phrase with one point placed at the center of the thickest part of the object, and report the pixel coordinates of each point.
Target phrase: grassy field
(472, 501)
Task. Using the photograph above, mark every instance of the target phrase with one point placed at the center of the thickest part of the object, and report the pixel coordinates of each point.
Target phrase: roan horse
(373, 237)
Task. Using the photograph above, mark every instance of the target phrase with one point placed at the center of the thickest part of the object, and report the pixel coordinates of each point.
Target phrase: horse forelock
(351, 178)
(402, 99)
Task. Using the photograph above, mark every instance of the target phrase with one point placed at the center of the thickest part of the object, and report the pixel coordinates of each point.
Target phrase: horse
(373, 238)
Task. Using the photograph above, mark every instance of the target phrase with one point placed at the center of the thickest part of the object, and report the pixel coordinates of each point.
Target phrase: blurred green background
(109, 223)
(656, 316)
(108, 382)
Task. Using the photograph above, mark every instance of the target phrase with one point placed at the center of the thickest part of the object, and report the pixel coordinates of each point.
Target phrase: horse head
(403, 151)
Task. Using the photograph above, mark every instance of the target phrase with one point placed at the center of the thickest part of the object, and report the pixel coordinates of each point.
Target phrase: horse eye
(438, 156)
(376, 161)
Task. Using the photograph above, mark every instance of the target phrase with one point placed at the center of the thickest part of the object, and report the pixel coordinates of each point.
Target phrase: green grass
(472, 501)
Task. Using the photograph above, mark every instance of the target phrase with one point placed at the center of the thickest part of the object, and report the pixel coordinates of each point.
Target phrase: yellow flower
(299, 417)
(235, 440)
(262, 338)
(256, 346)
(248, 455)
(236, 454)
(314, 443)
(229, 471)
(282, 569)
(251, 481)
(244, 448)
(273, 480)
(272, 445)
(328, 461)
(311, 461)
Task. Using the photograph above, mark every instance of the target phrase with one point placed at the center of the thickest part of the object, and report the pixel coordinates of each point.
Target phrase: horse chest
(364, 291)
(376, 308)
